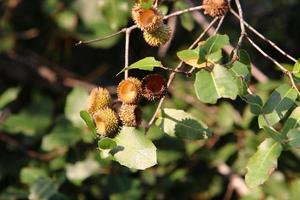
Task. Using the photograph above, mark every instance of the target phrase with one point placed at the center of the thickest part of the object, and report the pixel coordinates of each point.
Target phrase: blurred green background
(47, 152)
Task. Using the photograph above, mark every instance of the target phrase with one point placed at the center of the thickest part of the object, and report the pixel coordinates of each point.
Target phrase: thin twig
(219, 25)
(285, 71)
(172, 75)
(127, 42)
(253, 30)
(242, 26)
(180, 12)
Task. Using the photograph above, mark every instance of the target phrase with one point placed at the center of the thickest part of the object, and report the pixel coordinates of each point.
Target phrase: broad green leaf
(8, 96)
(261, 165)
(256, 103)
(294, 138)
(244, 58)
(186, 19)
(64, 134)
(242, 75)
(76, 102)
(148, 64)
(280, 101)
(190, 57)
(211, 86)
(134, 149)
(275, 135)
(81, 170)
(183, 125)
(294, 189)
(293, 121)
(210, 50)
(43, 189)
(89, 122)
(107, 143)
(28, 175)
(32, 121)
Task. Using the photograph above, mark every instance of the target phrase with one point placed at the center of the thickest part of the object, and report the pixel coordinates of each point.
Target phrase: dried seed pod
(153, 87)
(215, 8)
(158, 37)
(130, 115)
(107, 122)
(146, 19)
(129, 90)
(99, 98)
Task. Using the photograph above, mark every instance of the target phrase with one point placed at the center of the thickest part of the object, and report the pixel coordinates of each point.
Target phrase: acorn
(99, 98)
(130, 115)
(154, 87)
(107, 122)
(215, 8)
(158, 37)
(146, 19)
(129, 90)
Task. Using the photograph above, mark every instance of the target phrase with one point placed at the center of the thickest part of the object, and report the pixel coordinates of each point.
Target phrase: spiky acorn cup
(99, 98)
(130, 115)
(215, 8)
(146, 19)
(158, 37)
(107, 122)
(153, 87)
(129, 90)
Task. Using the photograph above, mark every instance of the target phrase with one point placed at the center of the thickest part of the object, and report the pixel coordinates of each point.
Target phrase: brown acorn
(159, 36)
(99, 98)
(129, 90)
(146, 19)
(130, 115)
(215, 8)
(107, 122)
(153, 87)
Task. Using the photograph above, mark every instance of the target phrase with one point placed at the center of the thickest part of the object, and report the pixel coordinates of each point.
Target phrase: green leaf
(190, 57)
(134, 149)
(28, 175)
(243, 75)
(8, 96)
(280, 101)
(43, 189)
(256, 103)
(183, 125)
(148, 64)
(89, 122)
(294, 138)
(244, 58)
(275, 135)
(211, 86)
(32, 121)
(64, 134)
(186, 19)
(293, 121)
(107, 143)
(263, 163)
(76, 101)
(147, 4)
(296, 67)
(294, 189)
(81, 170)
(210, 50)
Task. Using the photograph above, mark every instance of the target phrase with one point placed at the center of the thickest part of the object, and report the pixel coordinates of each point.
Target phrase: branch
(242, 26)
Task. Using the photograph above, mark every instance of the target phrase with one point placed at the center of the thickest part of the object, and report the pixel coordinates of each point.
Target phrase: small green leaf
(275, 135)
(183, 125)
(292, 122)
(89, 122)
(147, 4)
(242, 74)
(76, 101)
(8, 96)
(210, 50)
(134, 149)
(294, 138)
(256, 103)
(43, 189)
(211, 86)
(244, 58)
(107, 143)
(147, 64)
(280, 101)
(263, 162)
(186, 19)
(190, 57)
(28, 175)
(296, 67)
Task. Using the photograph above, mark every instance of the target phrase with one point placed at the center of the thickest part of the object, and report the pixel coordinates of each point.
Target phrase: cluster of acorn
(150, 21)
(109, 117)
